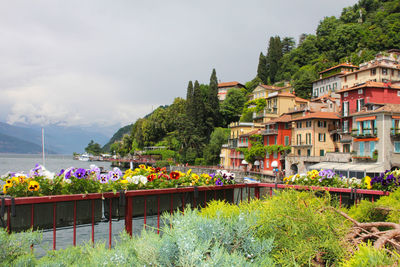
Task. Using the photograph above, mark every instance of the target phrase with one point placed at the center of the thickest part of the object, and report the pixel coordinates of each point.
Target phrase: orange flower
(175, 175)
(151, 177)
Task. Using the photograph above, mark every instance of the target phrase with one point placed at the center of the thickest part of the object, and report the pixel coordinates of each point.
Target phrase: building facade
(223, 89)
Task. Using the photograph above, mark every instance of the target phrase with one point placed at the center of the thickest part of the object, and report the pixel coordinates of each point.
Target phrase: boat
(84, 157)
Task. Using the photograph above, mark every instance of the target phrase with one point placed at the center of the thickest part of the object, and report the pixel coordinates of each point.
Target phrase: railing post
(257, 192)
(128, 216)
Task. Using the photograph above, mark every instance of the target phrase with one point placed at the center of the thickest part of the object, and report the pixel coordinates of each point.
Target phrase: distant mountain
(9, 144)
(60, 139)
(118, 136)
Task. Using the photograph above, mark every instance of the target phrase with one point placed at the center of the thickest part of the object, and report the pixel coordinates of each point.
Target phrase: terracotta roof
(271, 87)
(371, 84)
(318, 115)
(395, 108)
(327, 96)
(282, 118)
(229, 84)
(258, 131)
(299, 99)
(377, 65)
(340, 65)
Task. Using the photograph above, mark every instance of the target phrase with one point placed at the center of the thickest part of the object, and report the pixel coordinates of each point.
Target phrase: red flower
(151, 177)
(163, 176)
(175, 175)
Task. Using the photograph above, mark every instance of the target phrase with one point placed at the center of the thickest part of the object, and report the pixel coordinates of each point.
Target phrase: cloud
(81, 62)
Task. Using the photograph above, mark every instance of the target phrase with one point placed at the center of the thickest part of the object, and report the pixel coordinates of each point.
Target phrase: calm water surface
(54, 163)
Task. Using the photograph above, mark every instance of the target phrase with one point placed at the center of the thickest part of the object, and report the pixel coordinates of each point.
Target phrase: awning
(396, 117)
(366, 118)
(244, 162)
(366, 167)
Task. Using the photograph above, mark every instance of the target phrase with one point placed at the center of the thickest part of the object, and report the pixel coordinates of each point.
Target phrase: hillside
(9, 144)
(118, 136)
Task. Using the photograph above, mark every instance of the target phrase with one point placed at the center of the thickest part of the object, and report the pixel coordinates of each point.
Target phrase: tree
(93, 148)
(303, 81)
(212, 104)
(274, 54)
(212, 151)
(288, 44)
(251, 85)
(232, 107)
(262, 72)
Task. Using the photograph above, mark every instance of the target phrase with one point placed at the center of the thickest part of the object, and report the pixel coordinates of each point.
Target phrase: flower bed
(41, 182)
(386, 181)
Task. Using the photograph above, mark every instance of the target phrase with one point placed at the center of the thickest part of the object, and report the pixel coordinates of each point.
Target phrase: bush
(200, 162)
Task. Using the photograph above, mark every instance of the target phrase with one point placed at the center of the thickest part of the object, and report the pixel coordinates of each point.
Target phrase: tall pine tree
(273, 56)
(212, 105)
(262, 72)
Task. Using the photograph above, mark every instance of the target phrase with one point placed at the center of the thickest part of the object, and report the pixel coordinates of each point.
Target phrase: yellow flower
(33, 186)
(189, 172)
(123, 181)
(9, 182)
(367, 182)
(5, 188)
(142, 166)
(15, 179)
(195, 177)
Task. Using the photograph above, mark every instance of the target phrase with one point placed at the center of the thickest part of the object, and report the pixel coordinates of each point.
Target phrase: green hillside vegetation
(118, 136)
(187, 125)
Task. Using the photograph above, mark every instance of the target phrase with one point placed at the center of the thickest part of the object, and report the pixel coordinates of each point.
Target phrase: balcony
(365, 133)
(236, 156)
(395, 132)
(244, 144)
(269, 132)
(258, 115)
(273, 110)
(301, 144)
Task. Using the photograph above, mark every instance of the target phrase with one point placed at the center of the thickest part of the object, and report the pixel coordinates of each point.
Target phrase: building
(330, 79)
(384, 68)
(277, 132)
(230, 158)
(311, 140)
(223, 89)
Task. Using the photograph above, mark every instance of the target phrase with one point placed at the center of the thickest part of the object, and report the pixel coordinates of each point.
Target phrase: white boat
(84, 157)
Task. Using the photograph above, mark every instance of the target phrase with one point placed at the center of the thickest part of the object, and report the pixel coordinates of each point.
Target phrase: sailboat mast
(44, 163)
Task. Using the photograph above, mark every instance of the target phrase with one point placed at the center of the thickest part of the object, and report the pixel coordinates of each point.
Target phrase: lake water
(54, 163)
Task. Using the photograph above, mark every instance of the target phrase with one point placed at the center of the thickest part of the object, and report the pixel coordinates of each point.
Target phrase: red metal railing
(173, 193)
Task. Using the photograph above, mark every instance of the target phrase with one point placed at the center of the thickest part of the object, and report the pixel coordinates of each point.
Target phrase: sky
(109, 63)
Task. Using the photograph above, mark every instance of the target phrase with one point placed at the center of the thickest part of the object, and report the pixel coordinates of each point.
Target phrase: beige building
(384, 68)
(230, 158)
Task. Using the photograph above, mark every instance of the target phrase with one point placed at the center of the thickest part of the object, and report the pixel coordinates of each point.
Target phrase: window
(321, 137)
(322, 152)
(384, 71)
(345, 78)
(372, 148)
(322, 124)
(298, 141)
(286, 140)
(267, 164)
(345, 126)
(286, 125)
(298, 124)
(373, 72)
(334, 86)
(275, 155)
(308, 138)
(308, 124)
(345, 108)
(356, 76)
(360, 91)
(398, 93)
(397, 146)
(360, 104)
(346, 94)
(299, 152)
(276, 139)
(308, 152)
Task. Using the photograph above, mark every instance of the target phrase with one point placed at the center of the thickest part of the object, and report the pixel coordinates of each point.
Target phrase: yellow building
(311, 134)
(230, 158)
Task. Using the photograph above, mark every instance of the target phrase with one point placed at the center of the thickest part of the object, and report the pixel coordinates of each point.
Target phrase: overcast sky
(111, 62)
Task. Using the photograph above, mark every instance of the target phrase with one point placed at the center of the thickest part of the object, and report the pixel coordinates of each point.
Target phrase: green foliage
(251, 85)
(163, 163)
(117, 136)
(278, 148)
(15, 245)
(387, 208)
(273, 57)
(200, 161)
(165, 153)
(367, 255)
(232, 107)
(212, 151)
(262, 72)
(93, 148)
(256, 105)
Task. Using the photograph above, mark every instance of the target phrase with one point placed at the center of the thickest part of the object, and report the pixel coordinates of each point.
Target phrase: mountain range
(27, 139)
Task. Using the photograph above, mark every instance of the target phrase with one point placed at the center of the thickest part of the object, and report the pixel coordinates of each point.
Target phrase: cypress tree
(212, 105)
(262, 69)
(273, 56)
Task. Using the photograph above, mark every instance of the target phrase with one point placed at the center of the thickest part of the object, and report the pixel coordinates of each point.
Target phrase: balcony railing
(300, 144)
(395, 132)
(365, 133)
(269, 131)
(244, 144)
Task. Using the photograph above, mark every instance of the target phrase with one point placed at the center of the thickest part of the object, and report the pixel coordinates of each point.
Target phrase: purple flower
(103, 178)
(61, 172)
(212, 175)
(218, 182)
(37, 171)
(113, 176)
(94, 170)
(80, 173)
(68, 172)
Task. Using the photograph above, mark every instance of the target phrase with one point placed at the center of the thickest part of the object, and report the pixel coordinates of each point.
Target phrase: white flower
(48, 174)
(68, 181)
(129, 179)
(135, 179)
(143, 179)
